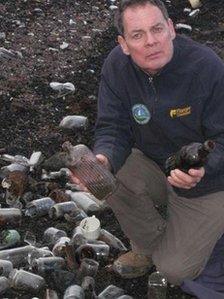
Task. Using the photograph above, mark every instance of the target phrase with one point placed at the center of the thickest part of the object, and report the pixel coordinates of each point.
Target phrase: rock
(73, 122)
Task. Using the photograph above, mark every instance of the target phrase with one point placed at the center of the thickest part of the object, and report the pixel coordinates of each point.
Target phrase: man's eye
(157, 29)
(137, 36)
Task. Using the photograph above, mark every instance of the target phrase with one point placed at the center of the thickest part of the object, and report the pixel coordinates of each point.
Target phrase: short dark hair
(124, 4)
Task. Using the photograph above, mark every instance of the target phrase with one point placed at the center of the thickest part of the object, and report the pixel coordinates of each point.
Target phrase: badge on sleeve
(141, 114)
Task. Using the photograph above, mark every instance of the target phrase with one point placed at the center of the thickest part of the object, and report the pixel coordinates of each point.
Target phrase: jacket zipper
(150, 78)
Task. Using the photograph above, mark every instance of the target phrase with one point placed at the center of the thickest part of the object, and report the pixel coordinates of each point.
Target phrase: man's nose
(150, 39)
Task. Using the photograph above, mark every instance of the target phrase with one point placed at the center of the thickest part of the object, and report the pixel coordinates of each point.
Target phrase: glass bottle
(91, 173)
(95, 250)
(5, 268)
(58, 249)
(52, 235)
(88, 285)
(74, 292)
(10, 217)
(193, 155)
(112, 240)
(111, 292)
(39, 207)
(44, 265)
(88, 267)
(78, 238)
(157, 286)
(9, 238)
(84, 251)
(4, 285)
(18, 256)
(26, 281)
(38, 252)
(58, 210)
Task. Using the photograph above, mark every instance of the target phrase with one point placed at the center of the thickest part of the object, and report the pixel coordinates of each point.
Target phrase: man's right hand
(103, 160)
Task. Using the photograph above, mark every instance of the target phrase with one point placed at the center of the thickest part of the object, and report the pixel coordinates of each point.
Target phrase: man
(159, 92)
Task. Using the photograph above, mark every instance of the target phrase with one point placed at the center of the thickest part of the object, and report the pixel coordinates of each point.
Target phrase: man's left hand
(184, 180)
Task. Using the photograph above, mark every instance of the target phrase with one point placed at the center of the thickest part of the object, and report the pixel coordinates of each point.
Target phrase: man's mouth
(153, 55)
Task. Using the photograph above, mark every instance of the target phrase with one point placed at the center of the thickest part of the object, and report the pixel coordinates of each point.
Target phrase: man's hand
(184, 180)
(103, 160)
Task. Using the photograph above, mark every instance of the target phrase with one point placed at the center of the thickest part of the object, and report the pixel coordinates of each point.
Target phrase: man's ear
(171, 27)
(123, 44)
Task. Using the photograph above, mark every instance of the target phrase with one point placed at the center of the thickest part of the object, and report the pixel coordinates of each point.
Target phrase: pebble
(86, 38)
(183, 26)
(62, 86)
(64, 45)
(2, 35)
(73, 121)
(194, 12)
(113, 7)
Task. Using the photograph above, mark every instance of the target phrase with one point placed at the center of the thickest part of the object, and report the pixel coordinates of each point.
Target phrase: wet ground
(67, 41)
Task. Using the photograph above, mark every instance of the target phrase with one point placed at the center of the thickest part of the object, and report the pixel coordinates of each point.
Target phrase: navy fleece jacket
(184, 103)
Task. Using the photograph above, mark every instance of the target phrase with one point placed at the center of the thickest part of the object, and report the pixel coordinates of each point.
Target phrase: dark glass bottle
(91, 173)
(193, 155)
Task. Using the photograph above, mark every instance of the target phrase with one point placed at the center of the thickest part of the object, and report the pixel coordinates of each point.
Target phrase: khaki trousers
(181, 245)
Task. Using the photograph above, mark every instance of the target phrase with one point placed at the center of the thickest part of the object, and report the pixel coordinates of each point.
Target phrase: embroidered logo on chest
(141, 114)
(179, 112)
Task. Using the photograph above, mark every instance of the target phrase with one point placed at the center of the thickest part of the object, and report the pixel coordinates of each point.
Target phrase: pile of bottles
(65, 263)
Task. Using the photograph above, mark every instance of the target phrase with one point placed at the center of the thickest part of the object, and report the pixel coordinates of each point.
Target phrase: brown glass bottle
(193, 155)
(91, 173)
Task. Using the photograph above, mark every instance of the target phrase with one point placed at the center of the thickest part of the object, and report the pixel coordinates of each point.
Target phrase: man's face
(148, 37)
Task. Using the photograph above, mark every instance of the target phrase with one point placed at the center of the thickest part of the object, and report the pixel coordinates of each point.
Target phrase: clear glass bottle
(52, 235)
(44, 265)
(50, 294)
(78, 237)
(112, 240)
(26, 281)
(157, 286)
(58, 249)
(84, 251)
(88, 267)
(95, 250)
(58, 210)
(111, 292)
(39, 207)
(5, 268)
(10, 217)
(37, 253)
(75, 216)
(88, 285)
(18, 256)
(74, 292)
(4, 285)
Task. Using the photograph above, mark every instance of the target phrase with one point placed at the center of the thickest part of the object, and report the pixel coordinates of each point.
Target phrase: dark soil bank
(67, 41)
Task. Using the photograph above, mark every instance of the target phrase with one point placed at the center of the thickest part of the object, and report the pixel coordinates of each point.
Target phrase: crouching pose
(158, 92)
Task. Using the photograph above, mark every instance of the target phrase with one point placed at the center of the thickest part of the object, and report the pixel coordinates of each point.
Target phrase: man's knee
(176, 268)
(141, 175)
